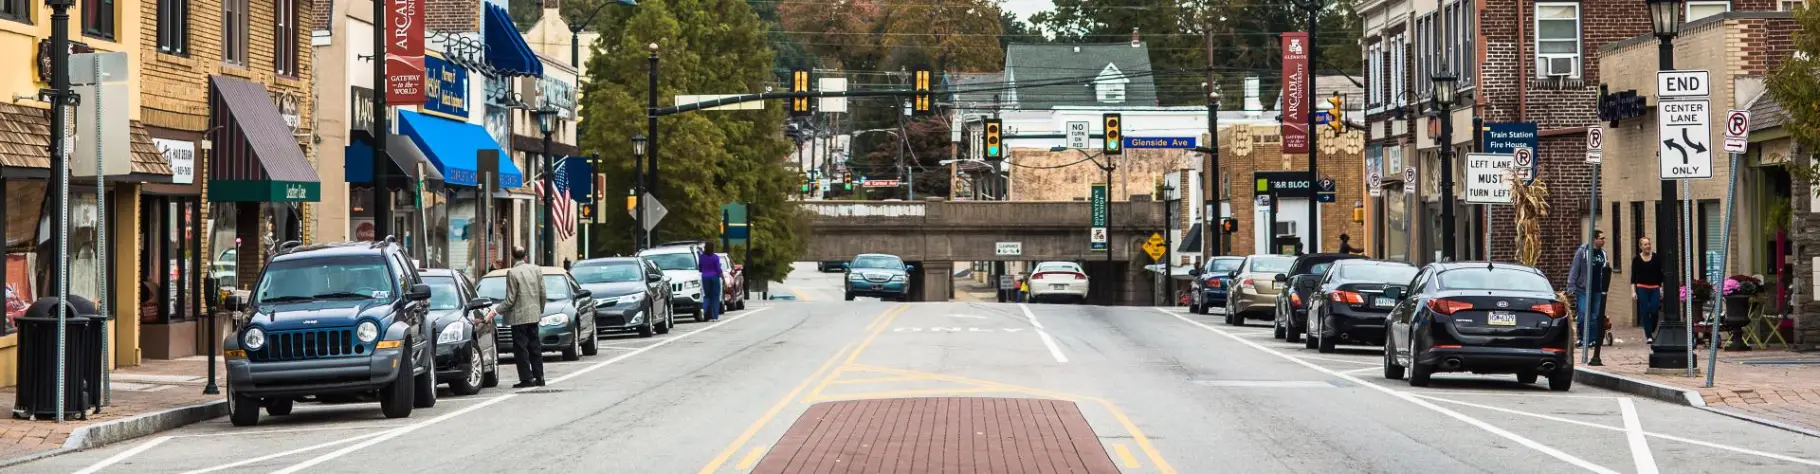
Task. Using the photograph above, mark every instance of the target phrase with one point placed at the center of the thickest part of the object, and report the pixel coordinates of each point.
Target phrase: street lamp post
(1212, 177)
(649, 176)
(546, 123)
(638, 197)
(1670, 351)
(576, 27)
(1444, 83)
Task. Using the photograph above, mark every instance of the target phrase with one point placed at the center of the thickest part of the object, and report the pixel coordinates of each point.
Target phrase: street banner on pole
(1097, 241)
(1295, 92)
(404, 66)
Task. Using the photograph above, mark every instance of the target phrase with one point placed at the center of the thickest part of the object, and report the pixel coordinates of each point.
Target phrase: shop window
(85, 270)
(99, 19)
(174, 27)
(284, 41)
(1558, 39)
(17, 10)
(234, 31)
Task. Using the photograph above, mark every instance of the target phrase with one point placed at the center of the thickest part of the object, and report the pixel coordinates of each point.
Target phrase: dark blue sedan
(1211, 282)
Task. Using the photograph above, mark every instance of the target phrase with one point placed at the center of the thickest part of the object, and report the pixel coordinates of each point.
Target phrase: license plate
(1383, 302)
(878, 287)
(1059, 287)
(1501, 318)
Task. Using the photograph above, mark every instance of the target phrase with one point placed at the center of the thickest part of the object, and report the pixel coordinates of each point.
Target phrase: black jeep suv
(345, 320)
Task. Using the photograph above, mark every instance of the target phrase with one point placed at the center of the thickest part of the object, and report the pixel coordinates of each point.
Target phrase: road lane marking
(900, 378)
(1614, 428)
(304, 449)
(902, 393)
(715, 464)
(1125, 456)
(1047, 341)
(1633, 432)
(124, 455)
(1379, 363)
(1519, 439)
(799, 294)
(884, 320)
(1266, 383)
(751, 458)
(302, 430)
(1360, 370)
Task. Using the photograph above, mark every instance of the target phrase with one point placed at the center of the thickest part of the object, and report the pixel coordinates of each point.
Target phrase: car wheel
(472, 378)
(649, 328)
(1281, 332)
(1418, 373)
(395, 399)
(424, 393)
(491, 378)
(1562, 379)
(1325, 345)
(242, 410)
(700, 316)
(573, 352)
(849, 296)
(1194, 308)
(1391, 369)
(279, 406)
(1311, 341)
(662, 327)
(592, 346)
(1526, 378)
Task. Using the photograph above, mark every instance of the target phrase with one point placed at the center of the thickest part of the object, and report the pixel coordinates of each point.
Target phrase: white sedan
(1058, 281)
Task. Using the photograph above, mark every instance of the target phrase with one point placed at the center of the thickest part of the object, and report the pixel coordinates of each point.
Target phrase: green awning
(264, 191)
(256, 157)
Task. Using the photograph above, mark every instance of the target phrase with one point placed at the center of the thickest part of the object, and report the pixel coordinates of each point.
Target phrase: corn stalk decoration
(1532, 205)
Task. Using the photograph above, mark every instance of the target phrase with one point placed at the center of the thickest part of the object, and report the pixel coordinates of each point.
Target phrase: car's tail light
(1295, 300)
(1079, 276)
(1216, 283)
(1447, 306)
(1348, 297)
(1245, 284)
(1554, 309)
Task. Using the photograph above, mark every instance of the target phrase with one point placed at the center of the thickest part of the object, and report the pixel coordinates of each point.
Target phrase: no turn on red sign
(1737, 131)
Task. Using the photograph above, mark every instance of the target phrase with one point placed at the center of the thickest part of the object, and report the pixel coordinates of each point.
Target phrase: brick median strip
(940, 434)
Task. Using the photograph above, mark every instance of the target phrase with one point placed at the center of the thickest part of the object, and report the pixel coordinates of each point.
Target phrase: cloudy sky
(1025, 8)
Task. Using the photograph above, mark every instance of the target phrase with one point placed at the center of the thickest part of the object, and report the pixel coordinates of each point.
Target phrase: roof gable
(1052, 75)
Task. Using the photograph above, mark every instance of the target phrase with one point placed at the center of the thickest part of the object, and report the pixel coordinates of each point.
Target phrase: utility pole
(382, 197)
(1210, 178)
(650, 177)
(1314, 152)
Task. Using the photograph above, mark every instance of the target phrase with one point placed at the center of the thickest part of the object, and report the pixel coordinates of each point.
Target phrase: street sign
(1159, 142)
(1078, 134)
(1737, 131)
(881, 183)
(1374, 184)
(1681, 84)
(1010, 249)
(1409, 180)
(1595, 144)
(1097, 240)
(654, 211)
(1506, 138)
(1524, 160)
(1155, 247)
(1686, 135)
(1485, 175)
(1263, 201)
(1007, 282)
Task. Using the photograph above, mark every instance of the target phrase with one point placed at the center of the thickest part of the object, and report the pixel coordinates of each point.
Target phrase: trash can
(38, 359)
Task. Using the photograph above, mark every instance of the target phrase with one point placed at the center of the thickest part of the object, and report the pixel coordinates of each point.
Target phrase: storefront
(171, 258)
(459, 152)
(257, 179)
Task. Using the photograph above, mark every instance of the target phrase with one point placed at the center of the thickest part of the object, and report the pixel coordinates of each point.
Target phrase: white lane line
(1519, 439)
(1633, 432)
(415, 426)
(1379, 363)
(1695, 442)
(1047, 341)
(1360, 370)
(123, 455)
(303, 430)
(269, 457)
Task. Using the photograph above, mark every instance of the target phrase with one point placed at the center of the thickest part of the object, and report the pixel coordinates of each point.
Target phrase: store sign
(44, 57)
(1295, 92)
(445, 89)
(1288, 184)
(560, 95)
(404, 63)
(287, 107)
(182, 155)
(360, 105)
(498, 123)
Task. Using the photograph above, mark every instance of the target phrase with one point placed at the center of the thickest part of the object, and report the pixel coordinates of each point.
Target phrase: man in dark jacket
(1587, 282)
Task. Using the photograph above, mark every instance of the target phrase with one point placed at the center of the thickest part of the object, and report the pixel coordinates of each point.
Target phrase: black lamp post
(1213, 237)
(1445, 87)
(576, 27)
(638, 195)
(546, 123)
(1670, 351)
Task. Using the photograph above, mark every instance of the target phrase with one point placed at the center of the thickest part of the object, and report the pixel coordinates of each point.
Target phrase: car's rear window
(1224, 264)
(1271, 264)
(1058, 267)
(1397, 274)
(1493, 279)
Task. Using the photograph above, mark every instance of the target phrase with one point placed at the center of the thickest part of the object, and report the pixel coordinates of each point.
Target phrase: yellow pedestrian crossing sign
(1155, 246)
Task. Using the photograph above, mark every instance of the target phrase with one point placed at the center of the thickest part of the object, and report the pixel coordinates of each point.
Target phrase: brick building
(1248, 149)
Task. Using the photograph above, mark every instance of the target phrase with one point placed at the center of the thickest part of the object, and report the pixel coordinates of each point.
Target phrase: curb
(1675, 395)
(109, 432)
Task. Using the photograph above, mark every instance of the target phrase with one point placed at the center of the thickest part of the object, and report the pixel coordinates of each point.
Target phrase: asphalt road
(1164, 390)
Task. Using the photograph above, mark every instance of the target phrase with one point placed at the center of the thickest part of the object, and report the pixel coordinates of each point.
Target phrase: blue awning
(405, 157)
(506, 48)
(452, 146)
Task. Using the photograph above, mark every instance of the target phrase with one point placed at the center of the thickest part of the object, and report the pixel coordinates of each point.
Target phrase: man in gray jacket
(523, 309)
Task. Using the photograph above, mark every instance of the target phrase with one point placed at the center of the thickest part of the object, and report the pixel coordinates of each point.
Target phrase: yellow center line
(1124, 455)
(819, 373)
(898, 378)
(799, 294)
(877, 328)
(751, 458)
(904, 393)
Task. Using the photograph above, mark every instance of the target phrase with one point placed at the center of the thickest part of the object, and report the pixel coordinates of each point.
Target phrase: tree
(1794, 84)
(1015, 30)
(890, 159)
(707, 158)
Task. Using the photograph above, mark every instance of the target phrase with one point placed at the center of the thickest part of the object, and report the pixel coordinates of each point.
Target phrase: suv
(680, 263)
(332, 320)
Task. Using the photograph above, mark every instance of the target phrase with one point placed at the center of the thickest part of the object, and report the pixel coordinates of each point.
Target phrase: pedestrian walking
(1587, 283)
(1646, 286)
(710, 282)
(523, 308)
(1346, 246)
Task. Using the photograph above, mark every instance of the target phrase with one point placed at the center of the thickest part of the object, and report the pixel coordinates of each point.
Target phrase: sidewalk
(1784, 394)
(156, 396)
(965, 289)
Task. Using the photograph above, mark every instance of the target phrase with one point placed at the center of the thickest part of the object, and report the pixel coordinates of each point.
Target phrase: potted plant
(1701, 292)
(1738, 290)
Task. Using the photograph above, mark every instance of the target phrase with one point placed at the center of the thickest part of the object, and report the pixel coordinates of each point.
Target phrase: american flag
(563, 216)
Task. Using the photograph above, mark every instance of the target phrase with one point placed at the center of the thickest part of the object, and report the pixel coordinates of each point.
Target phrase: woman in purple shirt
(710, 282)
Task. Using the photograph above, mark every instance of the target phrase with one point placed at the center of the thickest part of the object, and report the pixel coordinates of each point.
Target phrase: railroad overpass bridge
(934, 233)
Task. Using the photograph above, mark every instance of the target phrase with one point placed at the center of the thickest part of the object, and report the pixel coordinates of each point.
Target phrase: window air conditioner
(1558, 67)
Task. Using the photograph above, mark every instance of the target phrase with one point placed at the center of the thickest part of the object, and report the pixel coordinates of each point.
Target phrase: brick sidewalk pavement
(155, 386)
(1787, 394)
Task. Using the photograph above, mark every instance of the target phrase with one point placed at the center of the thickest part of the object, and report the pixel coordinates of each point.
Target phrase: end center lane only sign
(1487, 177)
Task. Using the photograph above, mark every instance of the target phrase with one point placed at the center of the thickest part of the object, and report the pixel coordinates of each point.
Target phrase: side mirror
(654, 277)
(1394, 292)
(845, 266)
(419, 292)
(1194, 272)
(480, 303)
(1282, 278)
(909, 268)
(584, 293)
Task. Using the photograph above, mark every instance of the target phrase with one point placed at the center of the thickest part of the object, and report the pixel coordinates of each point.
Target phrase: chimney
(1252, 105)
(1134, 38)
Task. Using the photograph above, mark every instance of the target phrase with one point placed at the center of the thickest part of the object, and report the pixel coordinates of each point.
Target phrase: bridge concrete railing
(935, 229)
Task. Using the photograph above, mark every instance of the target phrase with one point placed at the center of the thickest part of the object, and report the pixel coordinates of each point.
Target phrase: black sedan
(1297, 285)
(630, 294)
(1348, 303)
(467, 351)
(1483, 318)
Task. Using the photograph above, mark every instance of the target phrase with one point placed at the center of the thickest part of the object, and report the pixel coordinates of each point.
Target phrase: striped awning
(255, 158)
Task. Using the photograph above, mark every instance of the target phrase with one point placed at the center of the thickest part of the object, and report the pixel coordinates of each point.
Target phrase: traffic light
(1337, 119)
(1229, 225)
(799, 82)
(921, 82)
(995, 140)
(1115, 140)
(587, 212)
(846, 180)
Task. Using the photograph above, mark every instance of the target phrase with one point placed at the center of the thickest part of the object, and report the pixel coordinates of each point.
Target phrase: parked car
(1485, 318)
(1295, 287)
(467, 351)
(680, 263)
(331, 320)
(1348, 303)
(1058, 281)
(878, 275)
(1256, 287)
(630, 294)
(1211, 283)
(732, 284)
(562, 328)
